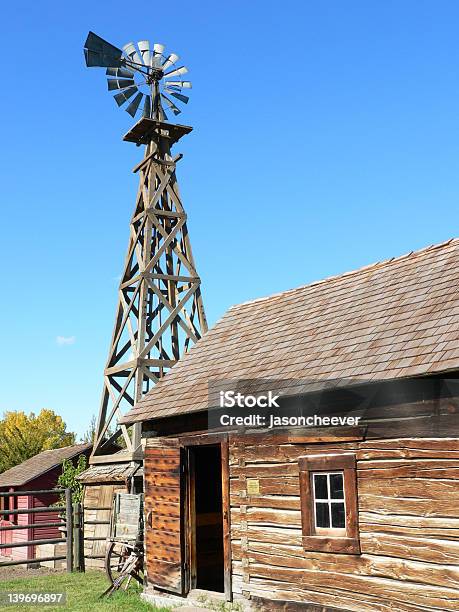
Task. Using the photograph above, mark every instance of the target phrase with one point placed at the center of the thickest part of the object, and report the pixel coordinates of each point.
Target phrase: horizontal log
(415, 468)
(419, 427)
(354, 565)
(412, 468)
(409, 505)
(416, 532)
(283, 453)
(440, 444)
(265, 470)
(406, 547)
(288, 502)
(365, 454)
(411, 487)
(408, 471)
(324, 436)
(375, 517)
(267, 515)
(357, 602)
(271, 535)
(270, 486)
(438, 598)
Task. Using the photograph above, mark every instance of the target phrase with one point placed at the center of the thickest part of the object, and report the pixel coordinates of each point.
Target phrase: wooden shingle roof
(396, 318)
(110, 472)
(40, 464)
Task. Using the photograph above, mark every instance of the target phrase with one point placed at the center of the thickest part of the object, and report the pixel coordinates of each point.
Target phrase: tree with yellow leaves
(23, 436)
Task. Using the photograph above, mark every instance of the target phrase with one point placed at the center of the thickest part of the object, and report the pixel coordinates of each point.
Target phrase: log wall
(408, 492)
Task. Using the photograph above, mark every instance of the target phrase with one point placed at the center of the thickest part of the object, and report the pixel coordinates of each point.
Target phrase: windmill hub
(156, 75)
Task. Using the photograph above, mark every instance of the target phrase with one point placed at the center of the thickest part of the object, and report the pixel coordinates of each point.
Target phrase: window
(329, 503)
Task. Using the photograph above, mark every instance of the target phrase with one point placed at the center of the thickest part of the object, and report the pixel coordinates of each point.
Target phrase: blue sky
(326, 137)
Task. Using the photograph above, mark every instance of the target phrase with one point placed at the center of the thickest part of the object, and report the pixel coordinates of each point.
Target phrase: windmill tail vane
(143, 77)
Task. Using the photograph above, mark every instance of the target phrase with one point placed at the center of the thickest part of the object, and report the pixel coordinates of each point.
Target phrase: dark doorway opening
(208, 506)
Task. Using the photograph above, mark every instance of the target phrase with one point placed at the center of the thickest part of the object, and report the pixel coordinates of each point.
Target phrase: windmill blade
(177, 72)
(157, 55)
(119, 83)
(131, 52)
(147, 107)
(119, 72)
(171, 105)
(170, 61)
(180, 97)
(124, 96)
(179, 84)
(144, 48)
(134, 105)
(99, 52)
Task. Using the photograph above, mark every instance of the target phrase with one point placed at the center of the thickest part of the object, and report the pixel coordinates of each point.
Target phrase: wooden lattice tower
(160, 311)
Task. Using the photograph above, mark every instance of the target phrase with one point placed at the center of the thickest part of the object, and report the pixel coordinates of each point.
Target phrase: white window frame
(337, 531)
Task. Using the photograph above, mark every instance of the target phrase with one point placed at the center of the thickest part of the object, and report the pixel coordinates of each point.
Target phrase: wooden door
(164, 516)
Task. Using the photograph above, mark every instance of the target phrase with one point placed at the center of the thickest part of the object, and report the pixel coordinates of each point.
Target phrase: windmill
(160, 311)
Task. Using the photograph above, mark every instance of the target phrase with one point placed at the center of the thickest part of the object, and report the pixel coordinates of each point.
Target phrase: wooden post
(77, 533)
(226, 507)
(69, 525)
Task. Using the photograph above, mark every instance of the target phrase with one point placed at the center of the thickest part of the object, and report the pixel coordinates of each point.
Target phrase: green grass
(82, 591)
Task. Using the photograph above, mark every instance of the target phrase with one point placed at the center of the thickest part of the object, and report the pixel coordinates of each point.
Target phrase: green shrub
(68, 479)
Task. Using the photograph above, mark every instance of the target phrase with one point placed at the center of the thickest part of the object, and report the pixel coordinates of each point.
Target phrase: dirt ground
(19, 571)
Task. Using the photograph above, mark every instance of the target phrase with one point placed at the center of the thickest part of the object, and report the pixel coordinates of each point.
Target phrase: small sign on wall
(253, 486)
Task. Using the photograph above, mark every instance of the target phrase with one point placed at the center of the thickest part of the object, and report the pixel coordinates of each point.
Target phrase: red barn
(39, 472)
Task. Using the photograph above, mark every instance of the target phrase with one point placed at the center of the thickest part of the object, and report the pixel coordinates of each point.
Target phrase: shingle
(38, 465)
(394, 318)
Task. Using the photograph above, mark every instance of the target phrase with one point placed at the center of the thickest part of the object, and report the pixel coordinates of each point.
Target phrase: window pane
(320, 486)
(338, 516)
(322, 515)
(336, 486)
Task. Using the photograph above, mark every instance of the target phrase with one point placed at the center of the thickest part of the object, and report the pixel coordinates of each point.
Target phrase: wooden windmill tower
(160, 311)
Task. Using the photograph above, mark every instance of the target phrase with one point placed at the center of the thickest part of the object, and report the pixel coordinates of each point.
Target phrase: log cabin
(361, 518)
(36, 474)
